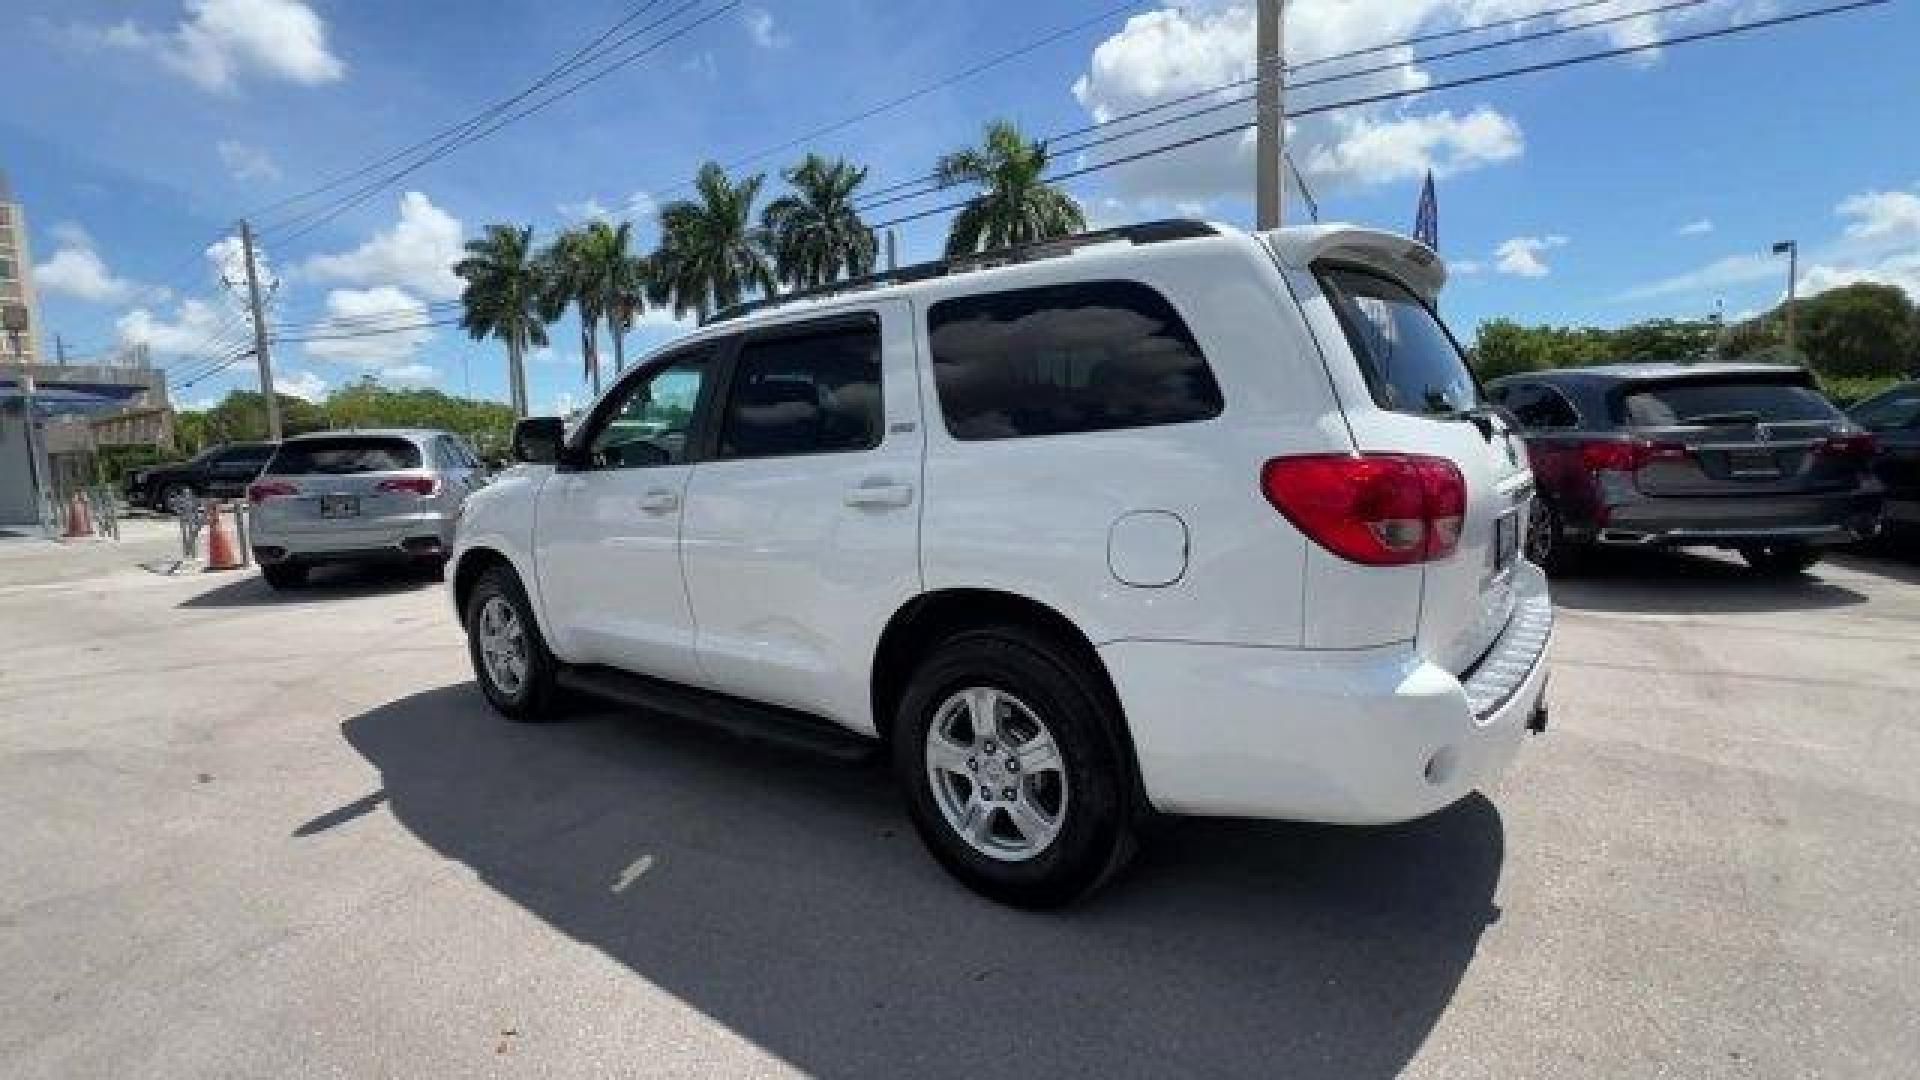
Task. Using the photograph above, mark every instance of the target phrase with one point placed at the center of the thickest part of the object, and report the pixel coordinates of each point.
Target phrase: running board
(744, 719)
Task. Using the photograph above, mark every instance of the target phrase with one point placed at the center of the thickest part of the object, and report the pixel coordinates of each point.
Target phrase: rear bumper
(416, 536)
(1821, 518)
(1359, 736)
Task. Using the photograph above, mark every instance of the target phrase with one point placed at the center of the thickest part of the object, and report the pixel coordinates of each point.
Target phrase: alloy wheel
(997, 774)
(503, 645)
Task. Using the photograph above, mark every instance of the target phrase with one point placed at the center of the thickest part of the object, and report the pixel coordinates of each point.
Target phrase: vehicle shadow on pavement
(1892, 557)
(1690, 582)
(788, 899)
(327, 583)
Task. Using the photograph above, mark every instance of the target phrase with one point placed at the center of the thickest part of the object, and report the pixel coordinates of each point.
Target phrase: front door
(802, 532)
(609, 524)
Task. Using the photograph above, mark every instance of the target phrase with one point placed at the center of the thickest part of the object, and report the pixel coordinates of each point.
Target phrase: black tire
(284, 575)
(1781, 560)
(1547, 544)
(533, 699)
(167, 499)
(1097, 819)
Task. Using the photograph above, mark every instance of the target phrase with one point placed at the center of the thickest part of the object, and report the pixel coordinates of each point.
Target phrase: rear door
(352, 490)
(1734, 433)
(1894, 420)
(801, 536)
(1420, 398)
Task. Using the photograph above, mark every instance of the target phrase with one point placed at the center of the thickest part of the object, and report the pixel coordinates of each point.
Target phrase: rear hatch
(344, 490)
(1407, 390)
(1720, 433)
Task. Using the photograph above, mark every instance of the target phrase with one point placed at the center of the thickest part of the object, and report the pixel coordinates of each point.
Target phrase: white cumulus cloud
(219, 41)
(1698, 227)
(76, 269)
(192, 330)
(1520, 256)
(410, 374)
(246, 163)
(761, 29)
(417, 253)
(304, 385)
(379, 327)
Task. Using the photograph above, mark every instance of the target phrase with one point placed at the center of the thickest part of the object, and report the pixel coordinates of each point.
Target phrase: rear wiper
(1481, 416)
(1711, 419)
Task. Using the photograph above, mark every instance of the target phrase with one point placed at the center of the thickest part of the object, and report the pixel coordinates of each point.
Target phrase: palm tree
(1016, 205)
(502, 299)
(815, 232)
(710, 254)
(570, 275)
(623, 280)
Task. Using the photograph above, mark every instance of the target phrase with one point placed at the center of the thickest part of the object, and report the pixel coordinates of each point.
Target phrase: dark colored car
(218, 472)
(1749, 457)
(1893, 416)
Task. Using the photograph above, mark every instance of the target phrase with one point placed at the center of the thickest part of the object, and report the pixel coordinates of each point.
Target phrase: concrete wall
(19, 503)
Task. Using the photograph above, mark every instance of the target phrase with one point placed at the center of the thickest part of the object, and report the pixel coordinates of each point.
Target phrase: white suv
(1169, 517)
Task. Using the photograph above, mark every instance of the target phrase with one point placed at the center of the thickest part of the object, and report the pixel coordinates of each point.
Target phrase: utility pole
(260, 334)
(893, 262)
(1791, 250)
(1270, 129)
(60, 349)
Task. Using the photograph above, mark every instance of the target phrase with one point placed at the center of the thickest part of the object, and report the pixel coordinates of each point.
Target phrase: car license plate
(339, 506)
(1506, 539)
(1753, 463)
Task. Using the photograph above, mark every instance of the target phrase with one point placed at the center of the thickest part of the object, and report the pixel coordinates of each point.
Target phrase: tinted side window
(1890, 413)
(813, 392)
(1086, 356)
(1538, 407)
(1410, 362)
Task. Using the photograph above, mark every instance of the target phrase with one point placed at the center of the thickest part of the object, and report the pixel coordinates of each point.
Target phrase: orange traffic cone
(223, 553)
(79, 522)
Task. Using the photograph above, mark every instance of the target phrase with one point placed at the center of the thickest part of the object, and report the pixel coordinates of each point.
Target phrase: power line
(930, 181)
(892, 103)
(587, 53)
(1451, 84)
(315, 219)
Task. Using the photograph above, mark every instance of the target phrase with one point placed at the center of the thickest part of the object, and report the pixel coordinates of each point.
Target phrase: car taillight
(1377, 509)
(261, 490)
(1627, 455)
(1852, 444)
(419, 485)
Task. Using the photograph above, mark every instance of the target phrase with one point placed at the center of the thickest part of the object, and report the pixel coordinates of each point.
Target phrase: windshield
(335, 457)
(1729, 402)
(1410, 362)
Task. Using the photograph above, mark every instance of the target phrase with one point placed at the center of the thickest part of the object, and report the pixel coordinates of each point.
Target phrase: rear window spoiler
(1412, 263)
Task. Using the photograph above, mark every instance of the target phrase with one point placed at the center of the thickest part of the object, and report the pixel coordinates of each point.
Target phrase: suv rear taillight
(1859, 445)
(1377, 509)
(419, 485)
(261, 490)
(1626, 455)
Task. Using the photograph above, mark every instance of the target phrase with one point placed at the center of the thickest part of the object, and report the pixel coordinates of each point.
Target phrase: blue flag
(1426, 220)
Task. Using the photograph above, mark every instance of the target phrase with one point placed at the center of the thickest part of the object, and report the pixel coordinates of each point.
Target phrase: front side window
(648, 425)
(1084, 356)
(810, 392)
(1410, 362)
(344, 455)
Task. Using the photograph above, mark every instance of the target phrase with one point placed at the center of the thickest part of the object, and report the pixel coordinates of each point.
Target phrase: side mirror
(537, 440)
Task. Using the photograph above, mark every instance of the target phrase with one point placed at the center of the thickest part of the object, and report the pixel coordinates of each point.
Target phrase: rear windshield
(348, 454)
(1744, 401)
(1409, 361)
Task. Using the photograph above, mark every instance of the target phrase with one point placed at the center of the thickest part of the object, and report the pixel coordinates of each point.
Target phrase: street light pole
(1270, 117)
(1791, 250)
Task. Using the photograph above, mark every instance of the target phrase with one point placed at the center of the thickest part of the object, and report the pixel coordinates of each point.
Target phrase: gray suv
(360, 496)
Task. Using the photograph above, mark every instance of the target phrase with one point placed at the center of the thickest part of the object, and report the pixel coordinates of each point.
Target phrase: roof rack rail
(1148, 232)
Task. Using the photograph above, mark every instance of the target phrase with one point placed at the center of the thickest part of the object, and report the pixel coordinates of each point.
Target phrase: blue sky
(1605, 193)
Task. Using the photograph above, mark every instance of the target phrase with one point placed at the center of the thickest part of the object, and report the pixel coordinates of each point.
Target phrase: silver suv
(360, 496)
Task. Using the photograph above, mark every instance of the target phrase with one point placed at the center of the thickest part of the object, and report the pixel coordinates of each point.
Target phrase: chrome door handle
(659, 501)
(877, 492)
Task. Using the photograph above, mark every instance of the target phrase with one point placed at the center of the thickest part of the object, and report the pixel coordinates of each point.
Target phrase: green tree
(242, 417)
(502, 299)
(710, 254)
(1862, 330)
(815, 233)
(624, 280)
(570, 274)
(1016, 205)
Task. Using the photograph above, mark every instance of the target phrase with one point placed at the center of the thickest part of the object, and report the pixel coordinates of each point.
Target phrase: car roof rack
(1149, 232)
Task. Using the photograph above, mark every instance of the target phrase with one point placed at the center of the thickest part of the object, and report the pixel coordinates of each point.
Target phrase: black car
(1750, 457)
(1893, 416)
(218, 472)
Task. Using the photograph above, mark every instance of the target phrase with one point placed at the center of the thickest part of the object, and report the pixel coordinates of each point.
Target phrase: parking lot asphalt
(249, 834)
